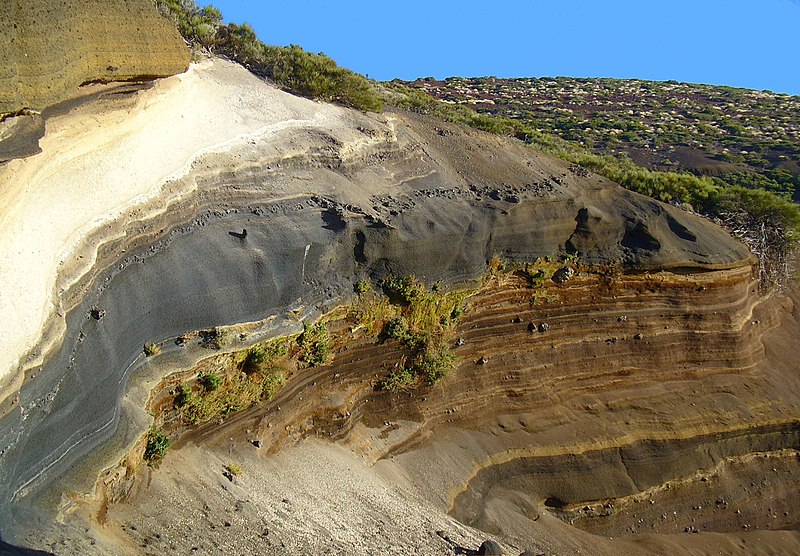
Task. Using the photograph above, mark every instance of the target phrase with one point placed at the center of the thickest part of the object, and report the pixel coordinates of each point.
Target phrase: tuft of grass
(233, 468)
(150, 349)
(372, 311)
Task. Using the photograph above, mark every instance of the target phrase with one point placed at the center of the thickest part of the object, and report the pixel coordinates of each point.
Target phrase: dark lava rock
(544, 327)
(490, 547)
(97, 313)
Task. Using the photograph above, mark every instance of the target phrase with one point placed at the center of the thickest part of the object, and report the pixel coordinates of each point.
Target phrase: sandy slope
(103, 159)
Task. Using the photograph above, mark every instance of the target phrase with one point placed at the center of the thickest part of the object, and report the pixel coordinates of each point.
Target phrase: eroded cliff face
(51, 47)
(329, 197)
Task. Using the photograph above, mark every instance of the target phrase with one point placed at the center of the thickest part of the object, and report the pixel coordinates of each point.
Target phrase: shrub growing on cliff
(211, 380)
(157, 445)
(258, 357)
(315, 344)
(183, 396)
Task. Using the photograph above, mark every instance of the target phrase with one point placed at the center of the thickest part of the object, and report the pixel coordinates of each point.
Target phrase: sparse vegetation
(157, 445)
(183, 395)
(237, 392)
(372, 310)
(746, 138)
(150, 349)
(723, 197)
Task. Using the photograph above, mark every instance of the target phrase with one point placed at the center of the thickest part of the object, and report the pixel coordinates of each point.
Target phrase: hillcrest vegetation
(303, 73)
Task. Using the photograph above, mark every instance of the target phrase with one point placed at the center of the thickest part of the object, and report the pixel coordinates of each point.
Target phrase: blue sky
(743, 43)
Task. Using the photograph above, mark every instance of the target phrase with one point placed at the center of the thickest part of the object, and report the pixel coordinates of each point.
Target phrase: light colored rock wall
(50, 47)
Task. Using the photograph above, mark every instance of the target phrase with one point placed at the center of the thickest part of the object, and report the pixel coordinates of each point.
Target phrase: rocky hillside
(51, 47)
(744, 137)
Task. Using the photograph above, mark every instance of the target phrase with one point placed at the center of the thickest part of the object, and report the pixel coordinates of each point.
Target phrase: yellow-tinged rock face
(50, 47)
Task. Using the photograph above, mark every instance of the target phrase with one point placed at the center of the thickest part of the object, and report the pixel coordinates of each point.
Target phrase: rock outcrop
(50, 47)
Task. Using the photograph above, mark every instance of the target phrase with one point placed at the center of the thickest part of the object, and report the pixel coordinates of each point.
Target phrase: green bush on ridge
(303, 73)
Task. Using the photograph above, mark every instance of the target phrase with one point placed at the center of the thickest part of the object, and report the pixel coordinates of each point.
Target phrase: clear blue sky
(743, 43)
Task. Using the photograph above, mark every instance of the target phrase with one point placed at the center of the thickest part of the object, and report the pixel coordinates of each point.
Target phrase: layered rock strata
(327, 197)
(51, 47)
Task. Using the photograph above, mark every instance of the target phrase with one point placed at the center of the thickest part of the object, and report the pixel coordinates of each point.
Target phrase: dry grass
(372, 311)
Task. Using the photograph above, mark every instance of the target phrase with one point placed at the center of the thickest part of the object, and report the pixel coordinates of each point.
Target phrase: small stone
(563, 274)
(544, 327)
(482, 361)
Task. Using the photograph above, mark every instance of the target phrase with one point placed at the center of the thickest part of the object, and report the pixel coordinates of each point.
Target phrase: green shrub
(157, 445)
(292, 68)
(435, 362)
(399, 380)
(150, 349)
(211, 380)
(401, 289)
(315, 344)
(183, 396)
(397, 328)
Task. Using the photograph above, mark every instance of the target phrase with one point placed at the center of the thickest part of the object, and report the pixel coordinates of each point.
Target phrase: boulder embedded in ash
(491, 547)
(563, 274)
(97, 313)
